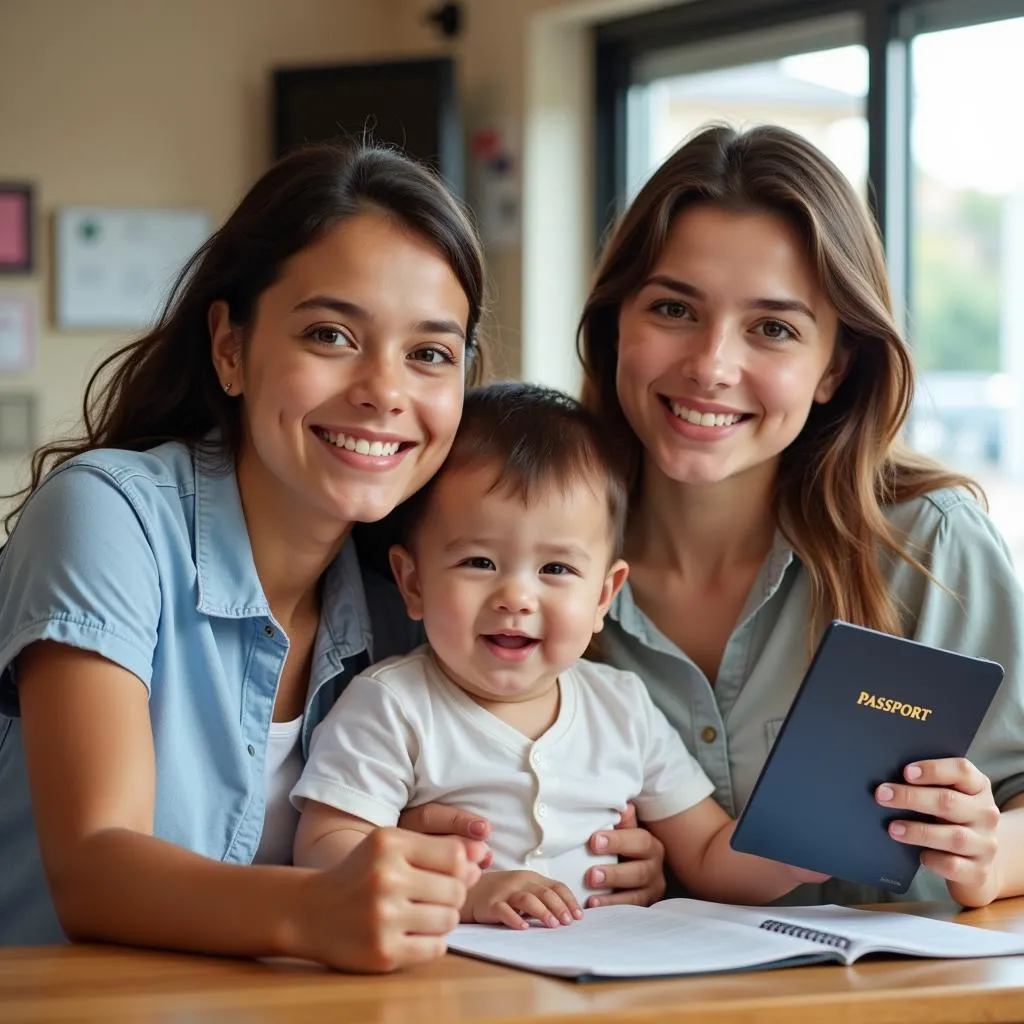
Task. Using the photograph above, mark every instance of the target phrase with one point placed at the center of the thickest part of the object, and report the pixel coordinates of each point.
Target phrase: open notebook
(693, 937)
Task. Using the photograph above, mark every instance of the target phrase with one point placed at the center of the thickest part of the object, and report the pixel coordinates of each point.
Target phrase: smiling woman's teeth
(360, 445)
(705, 419)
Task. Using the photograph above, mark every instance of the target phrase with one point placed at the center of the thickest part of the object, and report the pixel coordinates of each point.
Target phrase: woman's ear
(225, 347)
(403, 565)
(838, 367)
(612, 585)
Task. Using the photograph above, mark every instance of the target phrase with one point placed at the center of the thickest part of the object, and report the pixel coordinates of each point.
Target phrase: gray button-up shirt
(974, 606)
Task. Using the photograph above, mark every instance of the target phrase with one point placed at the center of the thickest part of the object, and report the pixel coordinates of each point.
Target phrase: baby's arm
(358, 777)
(326, 836)
(697, 849)
(677, 808)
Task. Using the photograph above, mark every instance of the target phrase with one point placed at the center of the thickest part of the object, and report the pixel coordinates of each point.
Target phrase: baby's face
(510, 593)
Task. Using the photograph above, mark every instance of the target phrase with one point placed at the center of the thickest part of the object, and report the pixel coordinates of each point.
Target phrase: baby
(511, 561)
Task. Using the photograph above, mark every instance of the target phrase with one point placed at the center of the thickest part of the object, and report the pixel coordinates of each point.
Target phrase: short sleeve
(976, 607)
(78, 569)
(361, 755)
(673, 780)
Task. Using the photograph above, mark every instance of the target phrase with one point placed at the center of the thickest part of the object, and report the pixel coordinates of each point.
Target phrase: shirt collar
(229, 586)
(345, 626)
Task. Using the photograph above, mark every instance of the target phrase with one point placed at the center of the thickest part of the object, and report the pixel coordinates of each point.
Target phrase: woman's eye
(776, 330)
(432, 356)
(672, 309)
(558, 569)
(332, 336)
(477, 562)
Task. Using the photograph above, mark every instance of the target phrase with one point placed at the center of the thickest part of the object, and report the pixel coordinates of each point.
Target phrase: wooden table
(73, 985)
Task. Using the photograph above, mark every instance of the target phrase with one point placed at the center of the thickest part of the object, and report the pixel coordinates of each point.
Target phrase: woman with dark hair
(180, 600)
(739, 336)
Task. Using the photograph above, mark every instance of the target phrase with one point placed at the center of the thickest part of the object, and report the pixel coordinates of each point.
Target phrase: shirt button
(538, 761)
(542, 810)
(269, 630)
(252, 750)
(709, 734)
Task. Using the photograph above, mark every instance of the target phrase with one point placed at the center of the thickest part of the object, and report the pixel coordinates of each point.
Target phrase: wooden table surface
(114, 985)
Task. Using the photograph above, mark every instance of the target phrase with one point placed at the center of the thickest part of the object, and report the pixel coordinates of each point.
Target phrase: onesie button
(542, 810)
(537, 760)
(709, 734)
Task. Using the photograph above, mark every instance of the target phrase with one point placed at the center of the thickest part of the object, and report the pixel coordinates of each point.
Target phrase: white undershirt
(282, 769)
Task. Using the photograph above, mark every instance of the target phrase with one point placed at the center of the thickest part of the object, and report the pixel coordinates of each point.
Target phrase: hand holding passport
(869, 705)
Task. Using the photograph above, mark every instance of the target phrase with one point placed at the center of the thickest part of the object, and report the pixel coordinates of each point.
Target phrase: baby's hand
(507, 897)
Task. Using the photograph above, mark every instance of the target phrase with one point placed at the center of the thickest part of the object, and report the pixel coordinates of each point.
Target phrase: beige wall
(165, 103)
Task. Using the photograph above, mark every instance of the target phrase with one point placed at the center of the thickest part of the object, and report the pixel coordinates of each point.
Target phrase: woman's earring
(227, 388)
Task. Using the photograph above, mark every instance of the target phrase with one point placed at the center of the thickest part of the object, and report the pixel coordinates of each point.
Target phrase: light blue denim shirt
(974, 605)
(145, 559)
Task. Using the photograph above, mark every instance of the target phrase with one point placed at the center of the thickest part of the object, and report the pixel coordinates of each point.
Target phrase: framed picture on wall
(114, 266)
(15, 228)
(17, 422)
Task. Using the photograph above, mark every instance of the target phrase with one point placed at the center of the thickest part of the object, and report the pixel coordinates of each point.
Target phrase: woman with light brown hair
(740, 337)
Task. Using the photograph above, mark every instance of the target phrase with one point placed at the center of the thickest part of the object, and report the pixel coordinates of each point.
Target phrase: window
(795, 79)
(966, 321)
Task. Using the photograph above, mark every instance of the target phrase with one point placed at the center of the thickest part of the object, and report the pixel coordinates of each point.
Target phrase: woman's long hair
(163, 387)
(848, 463)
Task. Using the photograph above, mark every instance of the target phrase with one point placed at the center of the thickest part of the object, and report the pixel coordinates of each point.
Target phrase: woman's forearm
(127, 887)
(732, 877)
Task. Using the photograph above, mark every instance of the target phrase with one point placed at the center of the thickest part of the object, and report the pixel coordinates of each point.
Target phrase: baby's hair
(536, 437)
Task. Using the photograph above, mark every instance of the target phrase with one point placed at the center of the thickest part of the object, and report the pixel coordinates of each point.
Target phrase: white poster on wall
(115, 267)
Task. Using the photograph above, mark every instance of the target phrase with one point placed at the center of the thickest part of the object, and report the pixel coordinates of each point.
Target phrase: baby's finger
(530, 904)
(570, 901)
(504, 914)
(555, 902)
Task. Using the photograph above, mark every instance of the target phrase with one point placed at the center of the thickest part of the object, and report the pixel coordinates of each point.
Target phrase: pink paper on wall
(14, 241)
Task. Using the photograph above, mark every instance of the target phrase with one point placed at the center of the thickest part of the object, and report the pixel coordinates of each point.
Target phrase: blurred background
(130, 128)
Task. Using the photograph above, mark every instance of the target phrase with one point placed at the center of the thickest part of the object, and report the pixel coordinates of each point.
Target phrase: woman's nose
(378, 384)
(712, 358)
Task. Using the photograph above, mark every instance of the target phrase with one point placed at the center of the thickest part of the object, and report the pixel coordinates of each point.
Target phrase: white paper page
(629, 942)
(871, 930)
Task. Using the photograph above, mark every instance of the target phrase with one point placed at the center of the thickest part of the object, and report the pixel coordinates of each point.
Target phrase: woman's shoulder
(949, 532)
(107, 494)
(942, 510)
(171, 464)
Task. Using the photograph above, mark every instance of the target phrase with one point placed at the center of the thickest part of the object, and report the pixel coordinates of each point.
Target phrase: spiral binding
(812, 934)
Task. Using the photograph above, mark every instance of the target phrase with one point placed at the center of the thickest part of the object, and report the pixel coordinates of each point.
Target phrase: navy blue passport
(869, 704)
